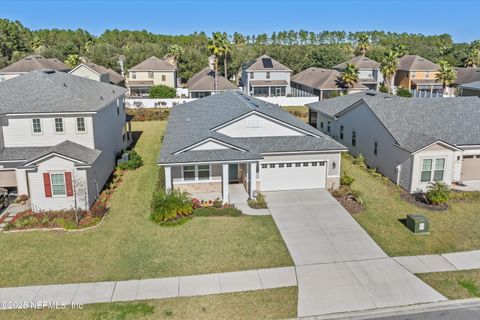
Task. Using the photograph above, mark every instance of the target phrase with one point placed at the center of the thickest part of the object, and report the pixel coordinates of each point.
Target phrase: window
(289, 165)
(150, 74)
(268, 75)
(164, 77)
(329, 126)
(375, 148)
(203, 172)
(58, 184)
(264, 166)
(341, 132)
(413, 74)
(252, 75)
(58, 125)
(427, 74)
(439, 168)
(272, 165)
(426, 170)
(189, 173)
(321, 125)
(36, 126)
(370, 75)
(314, 164)
(81, 125)
(354, 138)
(305, 164)
(281, 165)
(297, 164)
(133, 75)
(321, 164)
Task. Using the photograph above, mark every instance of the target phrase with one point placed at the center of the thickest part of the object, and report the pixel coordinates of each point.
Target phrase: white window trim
(41, 127)
(432, 173)
(55, 126)
(196, 179)
(64, 183)
(84, 123)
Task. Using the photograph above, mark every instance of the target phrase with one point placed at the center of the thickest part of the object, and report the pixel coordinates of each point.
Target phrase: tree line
(296, 49)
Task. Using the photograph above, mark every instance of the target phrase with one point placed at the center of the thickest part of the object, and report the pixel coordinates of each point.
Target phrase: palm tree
(175, 51)
(72, 60)
(349, 76)
(473, 57)
(215, 47)
(388, 67)
(363, 42)
(446, 74)
(226, 50)
(400, 50)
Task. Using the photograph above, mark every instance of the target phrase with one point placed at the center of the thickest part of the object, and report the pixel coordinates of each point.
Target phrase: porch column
(168, 178)
(225, 179)
(252, 178)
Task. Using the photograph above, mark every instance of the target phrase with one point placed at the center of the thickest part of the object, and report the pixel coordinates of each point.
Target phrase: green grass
(128, 245)
(265, 304)
(455, 284)
(457, 229)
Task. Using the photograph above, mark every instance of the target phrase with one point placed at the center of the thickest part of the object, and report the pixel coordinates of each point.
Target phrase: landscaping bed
(420, 201)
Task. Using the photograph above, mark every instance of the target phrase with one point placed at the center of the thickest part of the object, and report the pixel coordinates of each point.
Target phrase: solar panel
(267, 63)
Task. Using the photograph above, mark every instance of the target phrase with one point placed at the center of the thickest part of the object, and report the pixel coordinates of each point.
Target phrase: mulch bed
(352, 206)
(420, 201)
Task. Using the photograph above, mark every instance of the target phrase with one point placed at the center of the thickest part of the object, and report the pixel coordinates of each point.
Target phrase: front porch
(231, 182)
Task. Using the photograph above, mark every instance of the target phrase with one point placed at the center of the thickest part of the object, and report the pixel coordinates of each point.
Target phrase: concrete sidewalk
(441, 262)
(161, 288)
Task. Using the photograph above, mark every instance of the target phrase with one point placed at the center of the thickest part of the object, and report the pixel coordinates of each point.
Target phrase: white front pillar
(252, 180)
(168, 178)
(22, 184)
(225, 179)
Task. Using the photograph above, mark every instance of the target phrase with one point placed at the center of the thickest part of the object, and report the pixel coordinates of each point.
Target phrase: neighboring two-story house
(368, 71)
(265, 77)
(93, 71)
(151, 72)
(59, 137)
(31, 63)
(418, 75)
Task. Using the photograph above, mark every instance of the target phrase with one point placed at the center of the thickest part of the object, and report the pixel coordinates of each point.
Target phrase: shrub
(21, 198)
(217, 212)
(341, 192)
(360, 161)
(143, 114)
(135, 161)
(404, 92)
(258, 202)
(346, 180)
(438, 193)
(168, 206)
(162, 92)
(383, 88)
(98, 210)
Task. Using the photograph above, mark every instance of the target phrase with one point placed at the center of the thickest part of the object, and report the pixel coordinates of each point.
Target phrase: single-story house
(202, 84)
(412, 141)
(470, 89)
(230, 137)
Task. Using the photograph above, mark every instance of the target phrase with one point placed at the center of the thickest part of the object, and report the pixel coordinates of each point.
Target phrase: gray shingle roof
(333, 106)
(360, 62)
(266, 63)
(153, 64)
(193, 122)
(34, 62)
(66, 148)
(467, 75)
(205, 81)
(417, 122)
(472, 85)
(416, 63)
(321, 79)
(48, 91)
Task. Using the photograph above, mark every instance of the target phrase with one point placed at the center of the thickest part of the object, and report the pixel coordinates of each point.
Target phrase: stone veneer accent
(204, 187)
(333, 183)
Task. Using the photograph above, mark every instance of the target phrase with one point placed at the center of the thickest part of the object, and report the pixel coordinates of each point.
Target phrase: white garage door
(293, 175)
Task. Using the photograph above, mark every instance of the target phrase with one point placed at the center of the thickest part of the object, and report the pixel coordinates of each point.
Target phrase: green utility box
(417, 223)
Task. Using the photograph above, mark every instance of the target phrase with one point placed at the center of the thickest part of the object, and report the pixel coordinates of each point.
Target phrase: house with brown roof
(148, 73)
(266, 77)
(31, 63)
(417, 74)
(323, 83)
(96, 72)
(368, 71)
(202, 84)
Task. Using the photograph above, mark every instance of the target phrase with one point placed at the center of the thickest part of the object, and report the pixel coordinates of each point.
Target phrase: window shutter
(68, 183)
(47, 185)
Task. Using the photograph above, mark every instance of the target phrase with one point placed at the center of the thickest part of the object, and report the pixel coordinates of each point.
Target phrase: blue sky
(460, 18)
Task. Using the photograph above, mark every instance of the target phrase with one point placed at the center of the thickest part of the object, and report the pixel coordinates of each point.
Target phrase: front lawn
(457, 229)
(265, 304)
(455, 284)
(128, 245)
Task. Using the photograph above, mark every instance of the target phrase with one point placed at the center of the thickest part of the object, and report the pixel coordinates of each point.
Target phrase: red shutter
(68, 183)
(47, 185)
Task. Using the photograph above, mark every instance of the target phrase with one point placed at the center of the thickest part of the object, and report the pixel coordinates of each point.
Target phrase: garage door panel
(293, 176)
(8, 178)
(471, 168)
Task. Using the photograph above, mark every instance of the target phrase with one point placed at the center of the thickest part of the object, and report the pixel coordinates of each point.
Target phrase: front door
(233, 173)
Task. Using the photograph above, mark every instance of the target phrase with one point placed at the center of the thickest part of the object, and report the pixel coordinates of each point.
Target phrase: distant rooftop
(265, 63)
(34, 62)
(416, 63)
(321, 79)
(360, 62)
(153, 64)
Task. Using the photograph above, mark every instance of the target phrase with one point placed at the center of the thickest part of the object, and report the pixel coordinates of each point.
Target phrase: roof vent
(188, 120)
(65, 84)
(49, 71)
(101, 97)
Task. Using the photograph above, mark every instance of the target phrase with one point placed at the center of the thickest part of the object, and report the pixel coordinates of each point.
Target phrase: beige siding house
(151, 72)
(368, 71)
(412, 141)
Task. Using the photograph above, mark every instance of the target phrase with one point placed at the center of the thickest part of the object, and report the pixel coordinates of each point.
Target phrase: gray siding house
(412, 141)
(265, 77)
(202, 84)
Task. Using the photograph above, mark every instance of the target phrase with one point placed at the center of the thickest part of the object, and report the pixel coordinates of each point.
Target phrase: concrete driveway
(339, 267)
